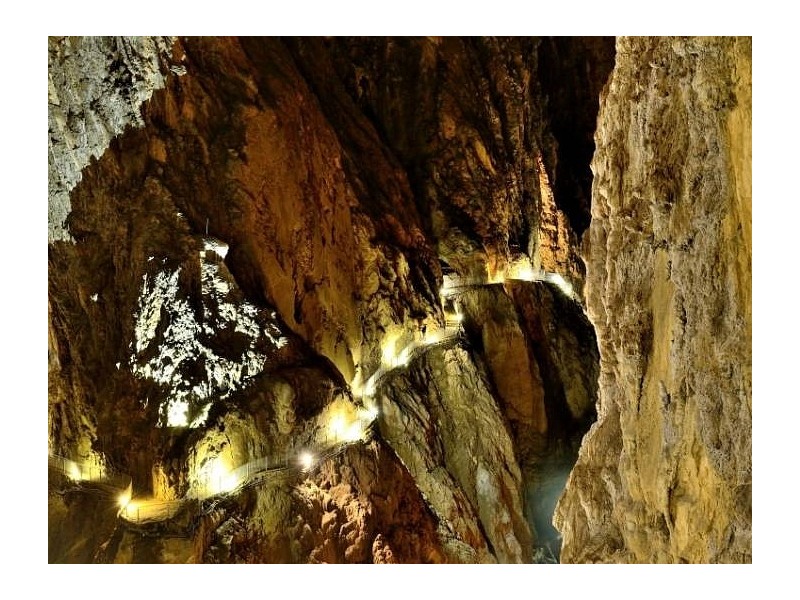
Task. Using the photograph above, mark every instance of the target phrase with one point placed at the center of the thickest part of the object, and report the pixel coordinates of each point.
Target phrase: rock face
(243, 232)
(96, 87)
(466, 119)
(665, 474)
(449, 432)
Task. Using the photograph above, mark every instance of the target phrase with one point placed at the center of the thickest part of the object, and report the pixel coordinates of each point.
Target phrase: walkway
(221, 482)
(454, 285)
(95, 475)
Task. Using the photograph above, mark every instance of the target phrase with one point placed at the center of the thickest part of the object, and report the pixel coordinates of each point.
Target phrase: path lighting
(337, 426)
(344, 429)
(74, 471)
(522, 270)
(433, 337)
(403, 358)
(131, 511)
(306, 460)
(562, 284)
(216, 478)
(124, 499)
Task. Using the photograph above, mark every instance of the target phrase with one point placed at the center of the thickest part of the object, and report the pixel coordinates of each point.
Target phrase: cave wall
(665, 475)
(469, 120)
(340, 173)
(94, 92)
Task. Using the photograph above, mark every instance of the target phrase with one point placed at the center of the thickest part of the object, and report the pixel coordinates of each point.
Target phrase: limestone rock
(244, 231)
(96, 87)
(448, 431)
(541, 357)
(665, 475)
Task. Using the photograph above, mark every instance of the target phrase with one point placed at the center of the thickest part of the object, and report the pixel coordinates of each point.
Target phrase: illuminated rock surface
(665, 474)
(245, 317)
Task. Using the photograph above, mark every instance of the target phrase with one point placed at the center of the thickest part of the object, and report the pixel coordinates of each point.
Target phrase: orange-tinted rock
(666, 473)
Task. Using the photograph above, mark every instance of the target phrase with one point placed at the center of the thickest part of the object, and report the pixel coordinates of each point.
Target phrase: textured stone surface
(449, 432)
(343, 175)
(367, 508)
(541, 358)
(96, 87)
(665, 474)
(466, 118)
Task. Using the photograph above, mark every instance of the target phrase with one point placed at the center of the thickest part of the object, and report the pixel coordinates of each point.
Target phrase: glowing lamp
(74, 472)
(306, 460)
(124, 499)
(130, 510)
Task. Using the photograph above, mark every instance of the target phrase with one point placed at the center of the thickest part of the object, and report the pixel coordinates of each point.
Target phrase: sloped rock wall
(341, 173)
(666, 473)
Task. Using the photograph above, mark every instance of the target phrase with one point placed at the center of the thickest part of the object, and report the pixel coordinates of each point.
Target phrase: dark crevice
(573, 72)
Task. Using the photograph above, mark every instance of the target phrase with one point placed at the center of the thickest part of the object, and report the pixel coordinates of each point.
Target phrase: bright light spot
(344, 424)
(216, 478)
(221, 248)
(124, 498)
(388, 350)
(94, 297)
(306, 460)
(433, 337)
(564, 285)
(228, 482)
(403, 358)
(448, 283)
(130, 510)
(354, 433)
(521, 269)
(497, 277)
(337, 426)
(92, 469)
(368, 414)
(74, 472)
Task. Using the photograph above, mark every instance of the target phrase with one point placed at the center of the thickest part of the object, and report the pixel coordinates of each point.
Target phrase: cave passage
(218, 478)
(260, 247)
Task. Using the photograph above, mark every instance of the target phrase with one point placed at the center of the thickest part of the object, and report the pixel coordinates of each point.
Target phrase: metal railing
(151, 510)
(252, 472)
(78, 471)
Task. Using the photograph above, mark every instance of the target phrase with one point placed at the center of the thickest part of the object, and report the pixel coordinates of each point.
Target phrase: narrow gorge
(399, 300)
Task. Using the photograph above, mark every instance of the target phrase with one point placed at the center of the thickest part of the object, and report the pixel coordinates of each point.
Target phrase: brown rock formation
(541, 357)
(242, 231)
(665, 474)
